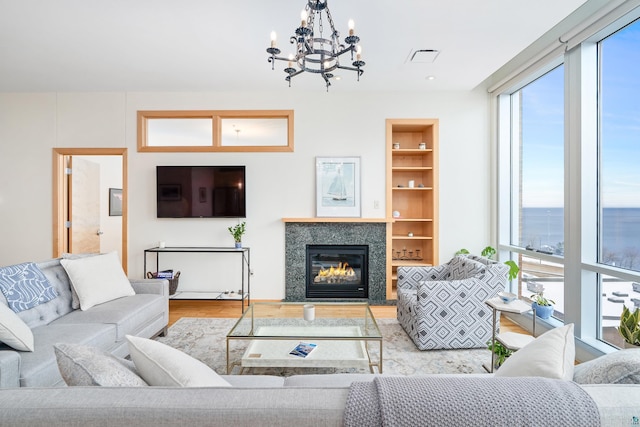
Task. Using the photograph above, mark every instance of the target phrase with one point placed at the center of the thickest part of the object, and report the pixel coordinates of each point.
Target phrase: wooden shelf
(411, 188)
(402, 263)
(412, 219)
(416, 151)
(411, 168)
(414, 237)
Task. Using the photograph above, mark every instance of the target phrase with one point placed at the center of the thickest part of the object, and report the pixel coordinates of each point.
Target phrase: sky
(543, 133)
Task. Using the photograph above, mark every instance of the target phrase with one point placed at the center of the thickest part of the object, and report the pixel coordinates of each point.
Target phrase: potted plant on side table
(630, 327)
(237, 231)
(542, 306)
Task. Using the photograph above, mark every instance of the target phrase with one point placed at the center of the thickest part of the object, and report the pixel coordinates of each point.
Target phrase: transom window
(213, 130)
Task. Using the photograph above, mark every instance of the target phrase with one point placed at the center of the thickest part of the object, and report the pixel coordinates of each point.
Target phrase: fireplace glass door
(337, 271)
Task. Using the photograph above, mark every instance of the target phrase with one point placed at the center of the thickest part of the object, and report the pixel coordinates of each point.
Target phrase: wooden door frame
(59, 208)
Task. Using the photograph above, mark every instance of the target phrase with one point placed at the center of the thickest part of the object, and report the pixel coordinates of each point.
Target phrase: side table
(510, 340)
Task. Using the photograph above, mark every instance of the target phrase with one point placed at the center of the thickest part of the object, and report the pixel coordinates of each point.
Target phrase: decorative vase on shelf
(238, 245)
(542, 311)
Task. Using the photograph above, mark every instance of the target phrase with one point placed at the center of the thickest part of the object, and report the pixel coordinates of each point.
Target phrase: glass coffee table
(342, 333)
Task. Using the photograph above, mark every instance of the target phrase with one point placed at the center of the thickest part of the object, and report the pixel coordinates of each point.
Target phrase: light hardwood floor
(230, 309)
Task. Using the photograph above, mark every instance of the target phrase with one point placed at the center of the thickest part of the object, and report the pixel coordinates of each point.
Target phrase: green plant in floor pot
(237, 231)
(542, 306)
(630, 327)
(500, 351)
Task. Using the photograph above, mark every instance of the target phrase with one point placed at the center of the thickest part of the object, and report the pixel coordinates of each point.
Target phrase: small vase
(238, 245)
(542, 311)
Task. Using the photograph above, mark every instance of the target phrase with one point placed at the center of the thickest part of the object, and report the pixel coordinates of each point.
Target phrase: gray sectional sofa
(319, 400)
(104, 326)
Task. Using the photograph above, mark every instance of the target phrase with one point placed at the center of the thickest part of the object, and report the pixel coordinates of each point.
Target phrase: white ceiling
(212, 45)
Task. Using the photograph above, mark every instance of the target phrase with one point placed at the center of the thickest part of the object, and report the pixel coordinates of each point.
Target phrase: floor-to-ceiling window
(619, 173)
(569, 180)
(537, 190)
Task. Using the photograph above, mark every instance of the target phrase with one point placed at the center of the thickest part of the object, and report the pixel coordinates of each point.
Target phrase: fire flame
(342, 270)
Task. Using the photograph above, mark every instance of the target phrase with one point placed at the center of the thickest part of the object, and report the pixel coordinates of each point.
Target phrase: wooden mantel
(323, 219)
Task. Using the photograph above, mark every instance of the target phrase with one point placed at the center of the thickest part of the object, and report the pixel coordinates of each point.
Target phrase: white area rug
(205, 339)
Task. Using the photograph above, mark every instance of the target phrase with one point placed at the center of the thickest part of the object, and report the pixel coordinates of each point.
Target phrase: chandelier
(315, 53)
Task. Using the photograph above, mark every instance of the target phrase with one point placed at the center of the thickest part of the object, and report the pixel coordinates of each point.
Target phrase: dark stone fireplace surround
(359, 232)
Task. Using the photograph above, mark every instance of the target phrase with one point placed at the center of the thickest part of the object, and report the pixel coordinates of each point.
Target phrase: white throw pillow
(75, 302)
(97, 279)
(161, 365)
(13, 331)
(551, 355)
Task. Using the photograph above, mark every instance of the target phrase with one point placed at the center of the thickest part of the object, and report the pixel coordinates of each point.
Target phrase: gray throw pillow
(82, 365)
(620, 367)
(25, 286)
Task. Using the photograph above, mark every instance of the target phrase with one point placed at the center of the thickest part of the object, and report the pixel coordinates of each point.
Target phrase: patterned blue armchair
(443, 307)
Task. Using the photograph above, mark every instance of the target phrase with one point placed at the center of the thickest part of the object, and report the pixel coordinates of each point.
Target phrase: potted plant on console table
(237, 231)
(542, 306)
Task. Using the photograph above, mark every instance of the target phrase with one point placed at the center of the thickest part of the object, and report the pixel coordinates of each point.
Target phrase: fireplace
(319, 231)
(337, 271)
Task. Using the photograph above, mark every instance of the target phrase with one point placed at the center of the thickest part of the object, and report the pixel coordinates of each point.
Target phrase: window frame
(216, 116)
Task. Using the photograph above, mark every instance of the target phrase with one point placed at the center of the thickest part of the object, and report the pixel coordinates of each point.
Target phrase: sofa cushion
(24, 286)
(620, 367)
(39, 368)
(82, 365)
(13, 331)
(97, 279)
(130, 315)
(461, 267)
(551, 355)
(161, 365)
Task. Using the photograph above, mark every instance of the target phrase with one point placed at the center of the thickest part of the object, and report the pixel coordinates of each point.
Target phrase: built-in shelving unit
(412, 194)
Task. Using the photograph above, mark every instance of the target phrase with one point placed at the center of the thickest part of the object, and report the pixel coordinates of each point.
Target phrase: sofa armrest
(9, 369)
(151, 286)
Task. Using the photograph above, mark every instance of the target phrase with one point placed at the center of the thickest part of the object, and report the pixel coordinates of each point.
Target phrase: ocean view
(544, 227)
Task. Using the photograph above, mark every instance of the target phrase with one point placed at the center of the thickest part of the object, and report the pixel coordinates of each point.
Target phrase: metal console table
(245, 294)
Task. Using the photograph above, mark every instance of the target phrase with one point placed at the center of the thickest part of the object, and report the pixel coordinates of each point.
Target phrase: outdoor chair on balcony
(443, 307)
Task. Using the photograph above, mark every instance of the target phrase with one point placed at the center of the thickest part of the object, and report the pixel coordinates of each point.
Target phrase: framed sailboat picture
(338, 186)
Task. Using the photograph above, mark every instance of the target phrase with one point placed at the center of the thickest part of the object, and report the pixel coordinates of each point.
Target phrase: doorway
(78, 223)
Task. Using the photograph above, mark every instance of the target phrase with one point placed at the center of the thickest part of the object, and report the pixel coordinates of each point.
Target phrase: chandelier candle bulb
(352, 26)
(358, 53)
(273, 38)
(303, 19)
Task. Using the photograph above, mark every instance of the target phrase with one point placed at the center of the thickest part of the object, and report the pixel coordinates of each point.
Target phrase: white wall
(278, 184)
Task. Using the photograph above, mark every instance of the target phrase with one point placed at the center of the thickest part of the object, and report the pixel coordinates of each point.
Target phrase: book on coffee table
(302, 349)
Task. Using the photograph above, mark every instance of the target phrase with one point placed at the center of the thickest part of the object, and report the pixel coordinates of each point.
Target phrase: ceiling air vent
(423, 56)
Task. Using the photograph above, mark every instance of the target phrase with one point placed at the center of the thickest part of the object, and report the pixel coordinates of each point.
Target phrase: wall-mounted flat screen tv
(201, 191)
